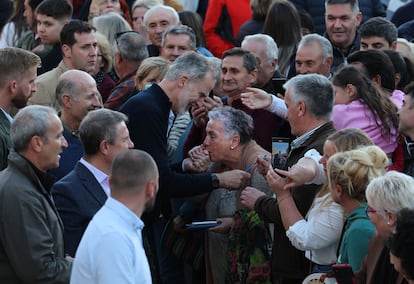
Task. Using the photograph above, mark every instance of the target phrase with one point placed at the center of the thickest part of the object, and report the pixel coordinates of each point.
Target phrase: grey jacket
(31, 232)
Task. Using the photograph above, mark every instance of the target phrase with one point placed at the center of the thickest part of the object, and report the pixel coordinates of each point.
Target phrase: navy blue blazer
(77, 196)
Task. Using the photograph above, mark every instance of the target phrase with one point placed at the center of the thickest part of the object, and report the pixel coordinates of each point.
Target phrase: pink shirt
(357, 115)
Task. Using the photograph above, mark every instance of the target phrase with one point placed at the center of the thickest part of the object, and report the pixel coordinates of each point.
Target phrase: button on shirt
(111, 250)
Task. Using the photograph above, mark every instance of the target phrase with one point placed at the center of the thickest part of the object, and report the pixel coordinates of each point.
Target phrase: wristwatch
(215, 182)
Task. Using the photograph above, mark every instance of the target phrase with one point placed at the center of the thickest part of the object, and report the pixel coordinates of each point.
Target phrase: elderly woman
(386, 196)
(348, 175)
(230, 146)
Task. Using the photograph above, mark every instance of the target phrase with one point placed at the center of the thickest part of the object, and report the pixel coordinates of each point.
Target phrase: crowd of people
(124, 125)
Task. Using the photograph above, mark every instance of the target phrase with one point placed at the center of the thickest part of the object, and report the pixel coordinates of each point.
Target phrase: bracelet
(271, 99)
(283, 198)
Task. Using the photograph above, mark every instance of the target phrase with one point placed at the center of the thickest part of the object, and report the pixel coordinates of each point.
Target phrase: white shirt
(111, 249)
(99, 175)
(320, 233)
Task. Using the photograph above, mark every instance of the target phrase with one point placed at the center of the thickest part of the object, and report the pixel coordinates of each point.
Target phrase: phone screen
(280, 146)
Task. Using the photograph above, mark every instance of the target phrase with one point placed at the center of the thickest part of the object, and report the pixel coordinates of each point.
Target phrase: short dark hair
(354, 4)
(57, 9)
(376, 62)
(379, 27)
(249, 60)
(99, 125)
(67, 34)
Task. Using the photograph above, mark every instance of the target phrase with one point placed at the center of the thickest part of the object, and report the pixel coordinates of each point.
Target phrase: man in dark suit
(81, 193)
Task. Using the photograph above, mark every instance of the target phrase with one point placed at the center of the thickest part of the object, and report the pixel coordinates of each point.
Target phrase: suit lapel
(90, 183)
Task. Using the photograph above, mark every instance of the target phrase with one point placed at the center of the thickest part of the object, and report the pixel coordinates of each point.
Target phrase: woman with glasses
(348, 175)
(386, 196)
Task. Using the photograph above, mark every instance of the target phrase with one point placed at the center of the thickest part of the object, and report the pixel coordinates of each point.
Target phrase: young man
(51, 16)
(79, 52)
(378, 33)
(17, 75)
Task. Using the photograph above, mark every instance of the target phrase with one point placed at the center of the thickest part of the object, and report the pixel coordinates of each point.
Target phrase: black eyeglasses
(118, 35)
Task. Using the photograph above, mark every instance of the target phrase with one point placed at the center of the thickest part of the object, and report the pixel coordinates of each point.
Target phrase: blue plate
(202, 225)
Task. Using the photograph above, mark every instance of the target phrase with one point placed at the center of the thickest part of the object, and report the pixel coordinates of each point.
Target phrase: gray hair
(354, 4)
(131, 46)
(316, 91)
(99, 125)
(236, 122)
(323, 42)
(180, 30)
(30, 121)
(145, 3)
(215, 64)
(110, 24)
(391, 192)
(272, 51)
(191, 64)
(161, 7)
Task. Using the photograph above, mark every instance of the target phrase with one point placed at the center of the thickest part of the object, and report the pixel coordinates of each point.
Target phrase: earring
(232, 147)
(388, 223)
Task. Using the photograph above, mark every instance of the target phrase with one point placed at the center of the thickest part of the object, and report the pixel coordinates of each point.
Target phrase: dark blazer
(78, 196)
(5, 143)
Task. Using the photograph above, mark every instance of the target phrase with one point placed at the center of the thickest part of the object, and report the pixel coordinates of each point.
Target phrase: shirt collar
(125, 213)
(301, 139)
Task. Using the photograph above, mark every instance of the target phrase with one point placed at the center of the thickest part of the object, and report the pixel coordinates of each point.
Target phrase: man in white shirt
(111, 250)
(82, 192)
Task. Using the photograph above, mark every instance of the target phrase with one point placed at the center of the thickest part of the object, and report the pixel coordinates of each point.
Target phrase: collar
(301, 139)
(125, 213)
(8, 116)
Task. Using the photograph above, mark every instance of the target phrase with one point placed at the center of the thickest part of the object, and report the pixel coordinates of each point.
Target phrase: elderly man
(111, 249)
(129, 51)
(309, 100)
(31, 232)
(188, 80)
(264, 48)
(177, 40)
(78, 45)
(76, 95)
(314, 56)
(156, 21)
(80, 194)
(17, 75)
(342, 18)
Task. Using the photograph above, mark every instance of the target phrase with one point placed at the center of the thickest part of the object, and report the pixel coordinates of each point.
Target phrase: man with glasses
(129, 51)
(78, 45)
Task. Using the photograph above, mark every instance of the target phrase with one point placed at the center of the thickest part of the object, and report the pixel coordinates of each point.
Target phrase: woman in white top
(318, 233)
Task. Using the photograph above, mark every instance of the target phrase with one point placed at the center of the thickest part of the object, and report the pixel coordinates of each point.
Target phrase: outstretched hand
(256, 98)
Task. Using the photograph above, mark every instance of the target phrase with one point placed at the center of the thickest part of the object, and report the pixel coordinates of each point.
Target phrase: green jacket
(356, 235)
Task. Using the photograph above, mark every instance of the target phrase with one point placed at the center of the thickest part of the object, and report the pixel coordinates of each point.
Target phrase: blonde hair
(353, 170)
(152, 63)
(105, 50)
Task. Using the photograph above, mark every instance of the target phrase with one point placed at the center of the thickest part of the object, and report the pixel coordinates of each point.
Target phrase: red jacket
(238, 13)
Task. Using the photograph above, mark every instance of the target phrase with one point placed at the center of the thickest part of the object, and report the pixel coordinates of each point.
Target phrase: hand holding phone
(343, 273)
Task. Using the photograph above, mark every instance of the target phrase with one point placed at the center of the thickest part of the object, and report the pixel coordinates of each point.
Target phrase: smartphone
(280, 146)
(278, 85)
(343, 274)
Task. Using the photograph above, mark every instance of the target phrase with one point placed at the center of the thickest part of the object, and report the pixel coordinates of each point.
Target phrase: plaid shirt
(122, 92)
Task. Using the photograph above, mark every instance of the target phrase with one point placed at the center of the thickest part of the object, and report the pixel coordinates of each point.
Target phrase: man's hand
(235, 179)
(256, 98)
(224, 225)
(249, 196)
(200, 158)
(263, 164)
